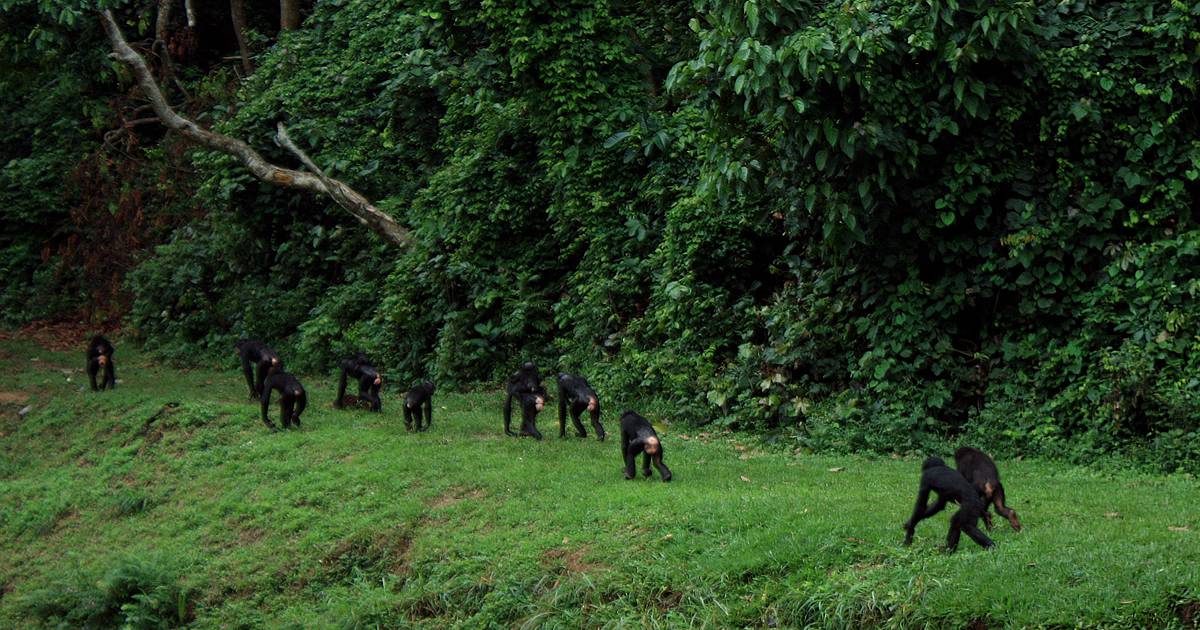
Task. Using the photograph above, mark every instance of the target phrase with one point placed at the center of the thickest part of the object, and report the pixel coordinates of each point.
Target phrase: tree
(316, 181)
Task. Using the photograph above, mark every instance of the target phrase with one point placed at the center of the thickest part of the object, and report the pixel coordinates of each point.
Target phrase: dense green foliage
(167, 500)
(875, 224)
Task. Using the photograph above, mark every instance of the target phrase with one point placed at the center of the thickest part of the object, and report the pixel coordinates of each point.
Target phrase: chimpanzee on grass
(100, 355)
(980, 471)
(639, 436)
(950, 486)
(369, 381)
(257, 353)
(292, 399)
(421, 395)
(526, 386)
(575, 391)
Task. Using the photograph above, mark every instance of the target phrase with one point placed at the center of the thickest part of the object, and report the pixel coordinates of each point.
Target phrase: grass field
(119, 507)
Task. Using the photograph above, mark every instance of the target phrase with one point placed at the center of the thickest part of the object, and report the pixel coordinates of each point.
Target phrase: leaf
(614, 139)
(751, 9)
(837, 469)
(745, 478)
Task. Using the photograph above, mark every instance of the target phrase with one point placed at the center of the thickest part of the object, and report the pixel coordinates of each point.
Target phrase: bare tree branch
(356, 204)
(191, 13)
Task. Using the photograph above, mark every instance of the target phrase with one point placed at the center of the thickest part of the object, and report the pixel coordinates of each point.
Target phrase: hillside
(167, 499)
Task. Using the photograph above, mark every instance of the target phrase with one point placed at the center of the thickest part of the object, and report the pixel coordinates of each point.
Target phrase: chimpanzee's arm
(508, 415)
(918, 510)
(341, 387)
(249, 372)
(266, 402)
(562, 410)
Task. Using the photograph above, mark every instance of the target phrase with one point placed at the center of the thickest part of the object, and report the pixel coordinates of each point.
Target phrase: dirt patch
(454, 496)
(570, 560)
(1189, 614)
(249, 536)
(58, 335)
(976, 624)
(668, 599)
(375, 556)
(13, 398)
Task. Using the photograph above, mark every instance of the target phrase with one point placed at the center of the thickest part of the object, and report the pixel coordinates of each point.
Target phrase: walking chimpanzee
(980, 471)
(576, 392)
(359, 368)
(292, 399)
(526, 386)
(639, 436)
(950, 486)
(421, 395)
(257, 353)
(100, 356)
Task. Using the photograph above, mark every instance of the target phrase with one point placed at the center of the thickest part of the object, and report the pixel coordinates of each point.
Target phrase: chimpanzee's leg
(428, 413)
(92, 368)
(529, 418)
(576, 409)
(596, 422)
(110, 375)
(1004, 510)
(955, 531)
(287, 402)
(966, 519)
(630, 457)
(301, 403)
(663, 472)
(408, 417)
(645, 464)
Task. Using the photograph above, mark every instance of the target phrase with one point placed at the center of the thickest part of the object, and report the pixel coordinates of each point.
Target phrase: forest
(864, 225)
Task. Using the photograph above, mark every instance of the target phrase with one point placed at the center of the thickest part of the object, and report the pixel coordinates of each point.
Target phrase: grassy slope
(351, 521)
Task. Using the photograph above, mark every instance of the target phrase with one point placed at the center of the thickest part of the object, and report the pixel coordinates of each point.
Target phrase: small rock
(25, 411)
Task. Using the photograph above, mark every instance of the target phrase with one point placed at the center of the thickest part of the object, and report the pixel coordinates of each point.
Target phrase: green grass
(351, 522)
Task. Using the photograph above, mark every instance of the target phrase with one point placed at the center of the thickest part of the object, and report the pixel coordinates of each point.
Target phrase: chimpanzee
(949, 485)
(420, 395)
(100, 355)
(256, 352)
(369, 380)
(526, 386)
(292, 399)
(639, 436)
(980, 471)
(575, 391)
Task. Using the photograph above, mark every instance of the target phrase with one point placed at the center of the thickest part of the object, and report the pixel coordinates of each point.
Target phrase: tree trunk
(163, 21)
(362, 209)
(289, 15)
(237, 11)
